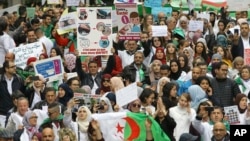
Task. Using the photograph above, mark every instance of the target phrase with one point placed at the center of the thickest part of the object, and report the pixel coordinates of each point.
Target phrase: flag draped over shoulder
(128, 126)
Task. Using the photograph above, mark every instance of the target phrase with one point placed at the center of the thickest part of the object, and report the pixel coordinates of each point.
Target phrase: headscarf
(68, 94)
(237, 102)
(117, 83)
(84, 124)
(197, 95)
(111, 96)
(191, 57)
(222, 40)
(31, 130)
(186, 67)
(217, 55)
(152, 75)
(106, 100)
(163, 59)
(175, 75)
(160, 81)
(103, 88)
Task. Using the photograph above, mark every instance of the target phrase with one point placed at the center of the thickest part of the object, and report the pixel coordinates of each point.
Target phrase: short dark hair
(69, 82)
(53, 105)
(22, 9)
(49, 89)
(34, 21)
(165, 67)
(92, 62)
(6, 64)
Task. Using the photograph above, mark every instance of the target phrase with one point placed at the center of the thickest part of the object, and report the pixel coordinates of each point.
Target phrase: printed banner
(53, 1)
(72, 2)
(128, 21)
(94, 29)
(232, 113)
(24, 52)
(68, 21)
(247, 56)
(157, 10)
(152, 3)
(51, 68)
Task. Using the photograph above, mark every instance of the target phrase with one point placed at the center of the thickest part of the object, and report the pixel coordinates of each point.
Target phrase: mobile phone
(236, 31)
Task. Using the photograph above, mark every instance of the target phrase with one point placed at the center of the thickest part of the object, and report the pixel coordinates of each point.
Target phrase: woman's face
(82, 114)
(149, 20)
(105, 105)
(243, 103)
(238, 65)
(220, 51)
(53, 53)
(159, 54)
(157, 42)
(156, 67)
(75, 84)
(136, 107)
(33, 120)
(150, 99)
(183, 101)
(186, 53)
(173, 92)
(183, 24)
(65, 138)
(61, 92)
(199, 48)
(106, 82)
(182, 61)
(34, 138)
(171, 49)
(245, 75)
(204, 85)
(174, 67)
(221, 26)
(53, 32)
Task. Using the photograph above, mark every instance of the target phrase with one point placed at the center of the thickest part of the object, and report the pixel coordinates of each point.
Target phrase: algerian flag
(128, 126)
(214, 4)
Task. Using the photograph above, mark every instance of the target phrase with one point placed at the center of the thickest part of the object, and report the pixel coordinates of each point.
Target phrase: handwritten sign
(247, 56)
(94, 29)
(159, 31)
(195, 25)
(24, 52)
(51, 68)
(68, 21)
(128, 21)
(203, 15)
(72, 2)
(126, 94)
(53, 1)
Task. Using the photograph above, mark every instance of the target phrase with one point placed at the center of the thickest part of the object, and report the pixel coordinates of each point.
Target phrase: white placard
(203, 15)
(68, 21)
(72, 2)
(195, 25)
(126, 95)
(53, 1)
(159, 31)
(238, 5)
(24, 52)
(233, 114)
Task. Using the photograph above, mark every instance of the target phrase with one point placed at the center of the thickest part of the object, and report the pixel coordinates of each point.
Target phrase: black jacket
(167, 125)
(5, 97)
(238, 49)
(226, 138)
(30, 93)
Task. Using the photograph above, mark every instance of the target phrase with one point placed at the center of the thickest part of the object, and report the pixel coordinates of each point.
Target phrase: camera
(100, 107)
(209, 109)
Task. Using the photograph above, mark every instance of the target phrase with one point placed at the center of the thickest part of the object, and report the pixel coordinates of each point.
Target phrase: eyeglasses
(34, 117)
(105, 80)
(136, 105)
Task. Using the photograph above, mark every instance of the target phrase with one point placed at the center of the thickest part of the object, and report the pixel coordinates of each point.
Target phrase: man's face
(31, 37)
(244, 30)
(48, 20)
(144, 37)
(203, 70)
(93, 68)
(172, 24)
(219, 131)
(35, 26)
(22, 106)
(135, 20)
(222, 72)
(132, 45)
(216, 115)
(50, 97)
(164, 73)
(11, 69)
(53, 113)
(138, 58)
(196, 72)
(175, 15)
(48, 135)
(238, 14)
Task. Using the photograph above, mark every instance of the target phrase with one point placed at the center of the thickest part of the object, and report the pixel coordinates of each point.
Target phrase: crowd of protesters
(184, 80)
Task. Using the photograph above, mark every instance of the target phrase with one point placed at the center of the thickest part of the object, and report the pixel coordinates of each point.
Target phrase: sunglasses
(106, 80)
(136, 105)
